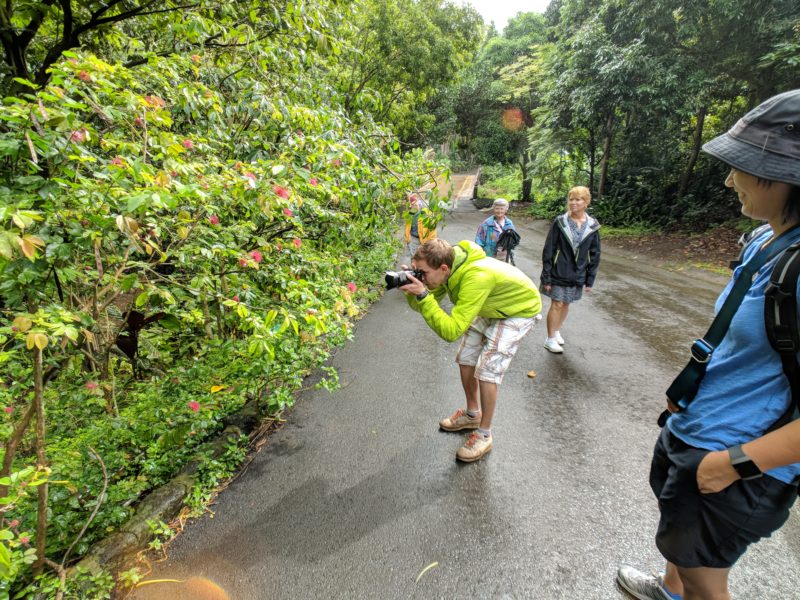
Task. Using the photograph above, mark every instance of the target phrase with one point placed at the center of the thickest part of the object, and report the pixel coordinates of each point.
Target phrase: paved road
(360, 492)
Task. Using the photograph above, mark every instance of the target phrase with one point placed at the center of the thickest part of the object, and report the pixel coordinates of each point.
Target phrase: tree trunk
(526, 180)
(601, 187)
(592, 157)
(41, 461)
(696, 142)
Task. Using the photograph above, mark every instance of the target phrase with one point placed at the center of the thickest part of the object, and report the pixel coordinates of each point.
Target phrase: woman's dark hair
(791, 210)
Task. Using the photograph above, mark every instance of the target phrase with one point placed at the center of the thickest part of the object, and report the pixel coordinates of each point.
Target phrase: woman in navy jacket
(570, 259)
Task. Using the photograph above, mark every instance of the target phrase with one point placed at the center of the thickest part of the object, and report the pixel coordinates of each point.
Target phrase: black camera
(397, 278)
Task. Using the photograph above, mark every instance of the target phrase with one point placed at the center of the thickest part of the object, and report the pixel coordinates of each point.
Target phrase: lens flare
(513, 119)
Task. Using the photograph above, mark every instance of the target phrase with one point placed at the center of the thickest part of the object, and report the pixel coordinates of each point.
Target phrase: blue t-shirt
(744, 390)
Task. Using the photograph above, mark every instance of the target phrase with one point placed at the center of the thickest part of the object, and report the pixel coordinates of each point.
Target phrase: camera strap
(685, 386)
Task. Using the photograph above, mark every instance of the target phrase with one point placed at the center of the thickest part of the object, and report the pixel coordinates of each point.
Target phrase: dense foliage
(195, 203)
(620, 94)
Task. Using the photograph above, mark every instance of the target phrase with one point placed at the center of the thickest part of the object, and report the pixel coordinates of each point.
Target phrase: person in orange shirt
(419, 229)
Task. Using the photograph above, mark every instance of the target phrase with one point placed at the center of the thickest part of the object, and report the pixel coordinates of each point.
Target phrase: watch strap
(422, 296)
(743, 464)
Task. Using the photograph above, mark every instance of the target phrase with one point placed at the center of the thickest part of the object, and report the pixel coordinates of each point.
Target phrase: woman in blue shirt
(724, 475)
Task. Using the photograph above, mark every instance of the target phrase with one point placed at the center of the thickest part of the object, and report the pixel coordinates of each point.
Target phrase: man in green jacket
(494, 306)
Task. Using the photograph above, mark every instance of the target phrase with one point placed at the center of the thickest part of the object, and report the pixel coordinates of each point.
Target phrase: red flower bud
(8, 409)
(84, 76)
(256, 256)
(187, 143)
(281, 191)
(235, 298)
(91, 385)
(195, 406)
(196, 58)
(313, 181)
(288, 212)
(352, 287)
(213, 219)
(297, 243)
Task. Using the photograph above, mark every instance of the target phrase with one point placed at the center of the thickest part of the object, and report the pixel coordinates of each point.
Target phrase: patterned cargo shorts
(490, 344)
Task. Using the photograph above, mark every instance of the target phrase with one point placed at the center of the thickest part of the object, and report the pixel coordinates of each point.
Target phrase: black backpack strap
(744, 241)
(780, 318)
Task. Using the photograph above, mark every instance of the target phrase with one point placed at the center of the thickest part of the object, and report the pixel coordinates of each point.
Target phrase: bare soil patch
(712, 249)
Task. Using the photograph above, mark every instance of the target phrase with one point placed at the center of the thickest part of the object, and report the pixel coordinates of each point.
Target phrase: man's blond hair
(436, 253)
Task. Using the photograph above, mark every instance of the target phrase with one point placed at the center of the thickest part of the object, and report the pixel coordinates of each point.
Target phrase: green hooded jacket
(477, 286)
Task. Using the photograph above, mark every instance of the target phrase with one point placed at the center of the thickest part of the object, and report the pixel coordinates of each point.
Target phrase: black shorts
(711, 530)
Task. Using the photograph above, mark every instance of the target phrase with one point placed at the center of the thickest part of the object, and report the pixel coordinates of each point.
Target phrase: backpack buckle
(701, 350)
(782, 340)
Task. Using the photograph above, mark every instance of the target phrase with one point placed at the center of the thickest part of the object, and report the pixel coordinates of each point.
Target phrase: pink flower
(8, 409)
(24, 540)
(84, 76)
(297, 243)
(336, 162)
(14, 523)
(91, 385)
(139, 122)
(78, 136)
(117, 161)
(256, 256)
(288, 212)
(281, 191)
(250, 175)
(195, 58)
(195, 406)
(235, 298)
(213, 219)
(313, 181)
(352, 287)
(242, 262)
(187, 143)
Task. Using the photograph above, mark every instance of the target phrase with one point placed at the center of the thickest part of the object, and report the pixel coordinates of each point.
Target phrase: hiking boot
(553, 346)
(474, 448)
(460, 420)
(643, 586)
(557, 337)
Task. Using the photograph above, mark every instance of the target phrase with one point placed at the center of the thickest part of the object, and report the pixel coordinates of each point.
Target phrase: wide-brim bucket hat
(765, 142)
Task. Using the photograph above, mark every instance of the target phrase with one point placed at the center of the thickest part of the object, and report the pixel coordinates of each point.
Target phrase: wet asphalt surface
(359, 492)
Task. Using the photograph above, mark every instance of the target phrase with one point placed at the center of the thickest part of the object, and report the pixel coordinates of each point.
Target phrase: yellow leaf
(216, 388)
(40, 339)
(162, 179)
(29, 244)
(425, 570)
(29, 340)
(22, 323)
(18, 221)
(131, 224)
(88, 335)
(183, 232)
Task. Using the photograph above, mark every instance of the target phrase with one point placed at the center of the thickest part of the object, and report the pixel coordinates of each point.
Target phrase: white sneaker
(557, 337)
(553, 346)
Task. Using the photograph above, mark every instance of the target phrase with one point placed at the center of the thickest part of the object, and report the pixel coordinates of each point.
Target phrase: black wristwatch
(422, 296)
(743, 464)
